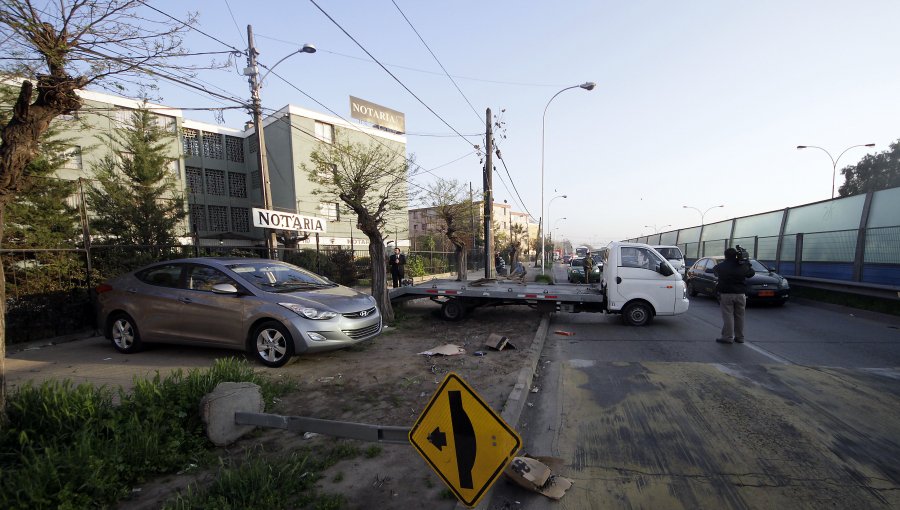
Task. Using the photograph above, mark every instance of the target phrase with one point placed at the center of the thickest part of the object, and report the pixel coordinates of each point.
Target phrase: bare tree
(372, 180)
(453, 206)
(54, 49)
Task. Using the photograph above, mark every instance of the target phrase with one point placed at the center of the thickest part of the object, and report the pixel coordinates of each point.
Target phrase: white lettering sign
(278, 220)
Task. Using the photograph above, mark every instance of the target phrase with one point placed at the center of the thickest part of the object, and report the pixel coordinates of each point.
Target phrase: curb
(515, 403)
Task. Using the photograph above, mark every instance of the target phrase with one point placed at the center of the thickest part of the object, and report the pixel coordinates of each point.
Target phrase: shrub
(415, 265)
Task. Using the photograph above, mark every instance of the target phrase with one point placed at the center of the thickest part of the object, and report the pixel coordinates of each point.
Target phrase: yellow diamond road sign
(464, 440)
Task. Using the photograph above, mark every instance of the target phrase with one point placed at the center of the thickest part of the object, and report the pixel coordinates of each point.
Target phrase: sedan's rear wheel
(272, 344)
(124, 333)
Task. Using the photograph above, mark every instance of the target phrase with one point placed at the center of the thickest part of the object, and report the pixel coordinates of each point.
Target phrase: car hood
(337, 299)
(764, 278)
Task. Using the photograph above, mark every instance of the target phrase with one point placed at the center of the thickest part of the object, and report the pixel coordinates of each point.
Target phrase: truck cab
(640, 283)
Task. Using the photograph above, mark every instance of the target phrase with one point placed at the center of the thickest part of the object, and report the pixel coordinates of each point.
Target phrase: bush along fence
(49, 292)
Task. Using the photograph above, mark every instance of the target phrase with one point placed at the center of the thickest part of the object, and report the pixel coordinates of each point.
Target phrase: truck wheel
(637, 314)
(453, 310)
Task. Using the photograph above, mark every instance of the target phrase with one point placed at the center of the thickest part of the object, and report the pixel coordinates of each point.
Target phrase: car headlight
(308, 312)
(784, 283)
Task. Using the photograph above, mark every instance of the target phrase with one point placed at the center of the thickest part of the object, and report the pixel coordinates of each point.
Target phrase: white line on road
(770, 355)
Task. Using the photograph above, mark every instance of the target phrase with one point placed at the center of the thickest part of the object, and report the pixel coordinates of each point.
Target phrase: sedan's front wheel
(272, 344)
(124, 333)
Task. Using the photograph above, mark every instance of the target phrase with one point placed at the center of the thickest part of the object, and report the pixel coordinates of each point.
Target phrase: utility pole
(488, 198)
(262, 157)
(472, 210)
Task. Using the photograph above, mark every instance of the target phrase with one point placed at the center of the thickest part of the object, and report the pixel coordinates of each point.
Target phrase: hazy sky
(697, 103)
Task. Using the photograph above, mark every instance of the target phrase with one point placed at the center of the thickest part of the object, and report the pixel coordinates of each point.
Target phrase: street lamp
(555, 228)
(548, 221)
(834, 161)
(588, 85)
(252, 71)
(655, 229)
(702, 213)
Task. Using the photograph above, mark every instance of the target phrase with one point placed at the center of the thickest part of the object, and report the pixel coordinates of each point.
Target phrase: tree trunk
(462, 264)
(2, 327)
(379, 278)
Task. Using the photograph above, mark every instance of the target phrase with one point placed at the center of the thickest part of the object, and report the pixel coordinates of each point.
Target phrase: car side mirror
(665, 270)
(773, 269)
(224, 288)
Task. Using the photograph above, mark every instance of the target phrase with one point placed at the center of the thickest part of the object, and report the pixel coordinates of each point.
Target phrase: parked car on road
(271, 309)
(576, 271)
(764, 286)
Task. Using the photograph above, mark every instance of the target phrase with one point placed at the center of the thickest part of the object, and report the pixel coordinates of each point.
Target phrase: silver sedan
(271, 309)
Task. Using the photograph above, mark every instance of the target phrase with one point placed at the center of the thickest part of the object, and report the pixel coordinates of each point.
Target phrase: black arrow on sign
(464, 438)
(438, 438)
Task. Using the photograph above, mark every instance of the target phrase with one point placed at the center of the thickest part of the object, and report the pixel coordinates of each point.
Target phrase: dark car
(269, 308)
(765, 286)
(576, 271)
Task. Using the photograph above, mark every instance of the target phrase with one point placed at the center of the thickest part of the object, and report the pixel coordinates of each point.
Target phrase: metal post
(488, 199)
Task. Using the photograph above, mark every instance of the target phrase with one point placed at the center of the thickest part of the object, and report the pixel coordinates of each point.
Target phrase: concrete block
(217, 410)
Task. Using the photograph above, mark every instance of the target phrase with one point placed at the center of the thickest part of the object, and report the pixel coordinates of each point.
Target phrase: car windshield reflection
(280, 277)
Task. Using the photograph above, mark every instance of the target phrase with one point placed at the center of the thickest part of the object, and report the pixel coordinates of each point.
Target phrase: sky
(698, 103)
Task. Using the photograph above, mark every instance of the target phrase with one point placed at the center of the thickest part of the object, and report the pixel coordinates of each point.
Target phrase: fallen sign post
(361, 431)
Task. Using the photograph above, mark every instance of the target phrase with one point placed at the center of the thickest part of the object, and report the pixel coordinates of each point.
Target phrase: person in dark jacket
(732, 289)
(397, 263)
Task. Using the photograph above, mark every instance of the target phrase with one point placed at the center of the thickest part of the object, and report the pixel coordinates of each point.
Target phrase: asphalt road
(806, 414)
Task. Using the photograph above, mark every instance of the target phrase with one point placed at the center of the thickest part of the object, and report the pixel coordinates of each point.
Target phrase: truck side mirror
(665, 270)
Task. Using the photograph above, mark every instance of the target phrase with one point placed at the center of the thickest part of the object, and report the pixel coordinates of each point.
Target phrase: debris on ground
(534, 474)
(498, 342)
(309, 435)
(444, 350)
(565, 333)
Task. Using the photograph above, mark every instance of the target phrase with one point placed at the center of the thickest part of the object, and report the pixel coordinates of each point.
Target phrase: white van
(673, 255)
(640, 283)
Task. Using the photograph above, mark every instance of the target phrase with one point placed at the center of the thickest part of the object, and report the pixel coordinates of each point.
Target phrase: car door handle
(185, 300)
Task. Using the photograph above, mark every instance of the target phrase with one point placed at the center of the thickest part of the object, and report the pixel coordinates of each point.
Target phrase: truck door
(639, 278)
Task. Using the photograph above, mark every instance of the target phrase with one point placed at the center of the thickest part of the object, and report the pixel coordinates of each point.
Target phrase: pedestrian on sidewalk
(397, 263)
(732, 288)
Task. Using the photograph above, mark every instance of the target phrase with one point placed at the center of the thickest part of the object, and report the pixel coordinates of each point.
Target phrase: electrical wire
(522, 202)
(477, 115)
(240, 34)
(173, 18)
(423, 103)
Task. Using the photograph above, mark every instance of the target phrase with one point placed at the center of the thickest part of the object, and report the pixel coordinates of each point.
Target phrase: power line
(477, 115)
(417, 70)
(389, 72)
(173, 18)
(240, 33)
(512, 181)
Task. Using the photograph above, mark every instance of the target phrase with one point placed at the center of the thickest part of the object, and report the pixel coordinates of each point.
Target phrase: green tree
(453, 206)
(58, 48)
(371, 180)
(135, 200)
(873, 173)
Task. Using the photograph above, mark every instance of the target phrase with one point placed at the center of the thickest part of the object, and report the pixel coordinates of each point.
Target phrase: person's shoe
(738, 340)
(723, 340)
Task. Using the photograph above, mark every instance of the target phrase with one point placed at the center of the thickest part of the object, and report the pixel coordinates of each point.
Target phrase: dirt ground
(385, 382)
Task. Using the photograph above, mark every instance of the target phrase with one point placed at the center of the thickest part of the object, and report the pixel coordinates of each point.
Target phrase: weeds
(66, 446)
(372, 452)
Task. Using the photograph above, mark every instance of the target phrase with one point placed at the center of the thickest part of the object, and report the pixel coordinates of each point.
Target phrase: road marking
(770, 355)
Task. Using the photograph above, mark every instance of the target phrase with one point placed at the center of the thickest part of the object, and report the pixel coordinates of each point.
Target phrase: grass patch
(873, 304)
(543, 278)
(67, 446)
(372, 452)
(264, 483)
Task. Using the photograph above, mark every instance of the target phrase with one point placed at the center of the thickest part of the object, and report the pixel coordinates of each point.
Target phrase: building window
(165, 123)
(330, 210)
(212, 145)
(240, 219)
(234, 149)
(237, 185)
(72, 159)
(190, 142)
(198, 218)
(122, 118)
(325, 132)
(416, 227)
(194, 179)
(254, 144)
(255, 180)
(215, 182)
(218, 218)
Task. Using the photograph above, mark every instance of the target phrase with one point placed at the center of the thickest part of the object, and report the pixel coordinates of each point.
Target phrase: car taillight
(103, 287)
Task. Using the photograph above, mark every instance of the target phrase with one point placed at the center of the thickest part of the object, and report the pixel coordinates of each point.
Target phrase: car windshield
(758, 267)
(670, 253)
(577, 263)
(279, 277)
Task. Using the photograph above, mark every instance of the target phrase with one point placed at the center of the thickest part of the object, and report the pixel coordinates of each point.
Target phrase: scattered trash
(565, 333)
(444, 350)
(498, 343)
(533, 474)
(535, 389)
(422, 394)
(136, 489)
(529, 404)
(309, 435)
(106, 359)
(479, 353)
(325, 379)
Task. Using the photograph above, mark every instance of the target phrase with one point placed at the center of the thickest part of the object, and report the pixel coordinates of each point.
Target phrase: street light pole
(551, 232)
(256, 105)
(655, 229)
(834, 161)
(702, 213)
(548, 222)
(589, 85)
